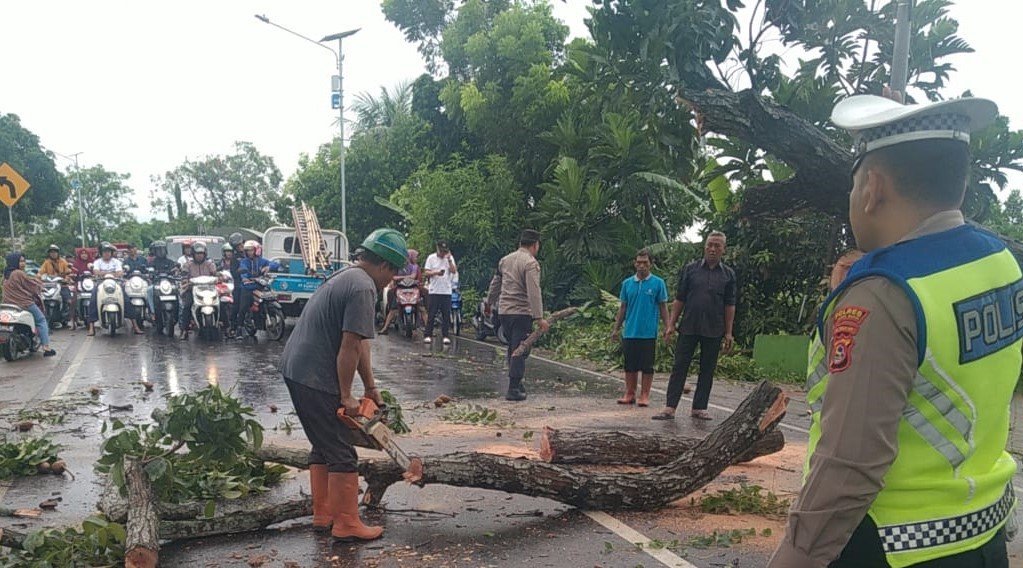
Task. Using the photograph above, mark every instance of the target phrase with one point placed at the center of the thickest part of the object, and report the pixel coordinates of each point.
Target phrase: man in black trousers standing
(705, 298)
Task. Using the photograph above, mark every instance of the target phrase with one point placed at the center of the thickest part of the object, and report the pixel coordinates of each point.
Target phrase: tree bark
(142, 545)
(822, 166)
(246, 519)
(651, 489)
(634, 448)
(538, 333)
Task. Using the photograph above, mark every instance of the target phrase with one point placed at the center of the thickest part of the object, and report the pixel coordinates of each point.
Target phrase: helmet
(52, 248)
(250, 245)
(235, 239)
(187, 243)
(199, 248)
(227, 248)
(105, 246)
(156, 247)
(389, 245)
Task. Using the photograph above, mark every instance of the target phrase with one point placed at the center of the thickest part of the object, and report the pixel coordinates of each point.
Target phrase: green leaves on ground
(745, 499)
(98, 542)
(396, 421)
(220, 436)
(472, 414)
(22, 457)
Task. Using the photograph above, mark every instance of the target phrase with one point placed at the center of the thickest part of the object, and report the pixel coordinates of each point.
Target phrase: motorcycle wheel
(407, 325)
(274, 324)
(7, 352)
(168, 323)
(456, 321)
(112, 328)
(250, 325)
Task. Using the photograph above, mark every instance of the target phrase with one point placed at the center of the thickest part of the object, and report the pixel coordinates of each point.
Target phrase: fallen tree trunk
(634, 448)
(142, 545)
(650, 489)
(250, 518)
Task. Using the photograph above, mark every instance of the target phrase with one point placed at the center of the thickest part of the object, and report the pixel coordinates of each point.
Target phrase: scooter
(110, 304)
(18, 335)
(225, 290)
(456, 308)
(488, 325)
(407, 294)
(166, 303)
(57, 311)
(205, 306)
(265, 313)
(86, 292)
(136, 289)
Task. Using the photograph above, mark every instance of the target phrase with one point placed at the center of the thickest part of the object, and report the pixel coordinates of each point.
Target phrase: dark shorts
(639, 355)
(392, 299)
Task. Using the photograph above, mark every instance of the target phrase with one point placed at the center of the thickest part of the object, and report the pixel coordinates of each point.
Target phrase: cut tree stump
(651, 489)
(634, 448)
(142, 545)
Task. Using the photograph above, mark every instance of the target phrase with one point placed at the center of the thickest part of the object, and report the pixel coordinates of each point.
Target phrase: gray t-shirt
(346, 302)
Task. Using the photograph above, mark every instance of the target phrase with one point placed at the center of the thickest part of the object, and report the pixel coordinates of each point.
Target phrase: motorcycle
(225, 290)
(18, 335)
(488, 325)
(265, 313)
(166, 303)
(205, 306)
(407, 294)
(56, 309)
(86, 290)
(456, 309)
(110, 304)
(136, 289)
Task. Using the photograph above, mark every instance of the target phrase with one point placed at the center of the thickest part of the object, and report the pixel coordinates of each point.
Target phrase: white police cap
(877, 122)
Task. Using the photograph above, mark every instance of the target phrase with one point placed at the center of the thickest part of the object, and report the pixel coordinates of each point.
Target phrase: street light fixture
(339, 58)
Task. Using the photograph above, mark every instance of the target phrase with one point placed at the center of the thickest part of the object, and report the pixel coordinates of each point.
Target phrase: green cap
(389, 245)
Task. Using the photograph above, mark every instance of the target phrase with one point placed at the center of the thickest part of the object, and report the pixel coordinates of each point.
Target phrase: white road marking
(65, 381)
(662, 555)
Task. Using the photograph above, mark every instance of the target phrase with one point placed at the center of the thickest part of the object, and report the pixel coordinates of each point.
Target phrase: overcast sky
(140, 86)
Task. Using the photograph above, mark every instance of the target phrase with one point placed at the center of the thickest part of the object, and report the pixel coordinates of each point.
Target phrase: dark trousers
(242, 305)
(185, 309)
(864, 550)
(516, 328)
(684, 350)
(438, 303)
(236, 295)
(331, 440)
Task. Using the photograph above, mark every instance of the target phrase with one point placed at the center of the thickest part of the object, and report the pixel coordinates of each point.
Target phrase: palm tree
(384, 110)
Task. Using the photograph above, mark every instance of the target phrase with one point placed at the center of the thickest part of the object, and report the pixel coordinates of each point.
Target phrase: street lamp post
(339, 57)
(78, 188)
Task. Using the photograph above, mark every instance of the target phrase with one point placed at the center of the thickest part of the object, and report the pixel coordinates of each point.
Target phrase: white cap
(877, 122)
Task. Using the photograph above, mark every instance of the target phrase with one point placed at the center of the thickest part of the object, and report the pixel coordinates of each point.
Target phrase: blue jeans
(42, 328)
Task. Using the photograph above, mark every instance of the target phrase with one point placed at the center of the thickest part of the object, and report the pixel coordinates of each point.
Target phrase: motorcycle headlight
(207, 300)
(166, 287)
(110, 287)
(88, 285)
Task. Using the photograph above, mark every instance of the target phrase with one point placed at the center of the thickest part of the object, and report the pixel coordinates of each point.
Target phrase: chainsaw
(369, 426)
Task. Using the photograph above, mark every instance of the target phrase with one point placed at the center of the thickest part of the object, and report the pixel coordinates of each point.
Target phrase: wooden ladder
(310, 239)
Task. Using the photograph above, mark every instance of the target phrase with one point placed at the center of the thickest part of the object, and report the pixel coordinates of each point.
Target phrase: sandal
(662, 416)
(701, 415)
(624, 400)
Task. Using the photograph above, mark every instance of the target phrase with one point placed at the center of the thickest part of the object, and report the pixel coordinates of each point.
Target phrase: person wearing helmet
(105, 265)
(325, 350)
(236, 240)
(160, 264)
(55, 265)
(199, 265)
(411, 270)
(226, 257)
(186, 253)
(250, 267)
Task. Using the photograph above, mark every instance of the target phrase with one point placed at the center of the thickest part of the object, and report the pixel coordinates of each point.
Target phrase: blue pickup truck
(293, 284)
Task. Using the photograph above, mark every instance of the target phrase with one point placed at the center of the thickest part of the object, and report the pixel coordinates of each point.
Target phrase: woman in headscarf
(23, 290)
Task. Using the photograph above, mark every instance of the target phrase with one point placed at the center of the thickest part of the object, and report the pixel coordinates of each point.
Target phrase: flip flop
(662, 416)
(702, 415)
(623, 401)
(642, 404)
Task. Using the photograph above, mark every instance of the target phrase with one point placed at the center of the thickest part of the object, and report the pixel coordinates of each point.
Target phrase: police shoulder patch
(846, 323)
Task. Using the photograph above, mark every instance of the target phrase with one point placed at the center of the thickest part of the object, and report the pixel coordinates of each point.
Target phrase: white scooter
(18, 335)
(110, 304)
(136, 289)
(206, 306)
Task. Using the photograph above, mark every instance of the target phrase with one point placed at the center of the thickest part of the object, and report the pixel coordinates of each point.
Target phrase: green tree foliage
(384, 110)
(20, 148)
(242, 189)
(476, 206)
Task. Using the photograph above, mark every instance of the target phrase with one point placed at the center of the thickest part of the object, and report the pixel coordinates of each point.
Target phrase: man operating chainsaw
(328, 346)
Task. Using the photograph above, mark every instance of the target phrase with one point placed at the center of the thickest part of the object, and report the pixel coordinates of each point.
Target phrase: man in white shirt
(186, 257)
(102, 266)
(441, 269)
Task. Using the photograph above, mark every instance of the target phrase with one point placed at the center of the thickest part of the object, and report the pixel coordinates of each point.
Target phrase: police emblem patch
(846, 324)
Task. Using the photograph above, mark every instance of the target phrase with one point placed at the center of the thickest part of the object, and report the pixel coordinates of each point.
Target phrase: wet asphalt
(431, 526)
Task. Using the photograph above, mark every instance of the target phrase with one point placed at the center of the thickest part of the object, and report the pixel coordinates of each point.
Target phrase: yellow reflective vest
(949, 489)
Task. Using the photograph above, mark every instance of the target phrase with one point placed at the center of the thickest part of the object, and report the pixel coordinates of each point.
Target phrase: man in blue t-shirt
(643, 297)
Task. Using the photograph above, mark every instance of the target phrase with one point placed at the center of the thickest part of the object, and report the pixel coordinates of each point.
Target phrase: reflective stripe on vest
(901, 538)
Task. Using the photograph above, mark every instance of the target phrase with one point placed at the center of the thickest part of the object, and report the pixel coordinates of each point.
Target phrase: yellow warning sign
(12, 186)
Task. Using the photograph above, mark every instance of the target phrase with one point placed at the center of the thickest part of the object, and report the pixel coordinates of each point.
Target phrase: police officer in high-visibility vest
(917, 354)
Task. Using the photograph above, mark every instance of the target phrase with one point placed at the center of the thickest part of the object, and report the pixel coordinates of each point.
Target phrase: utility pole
(900, 55)
(81, 209)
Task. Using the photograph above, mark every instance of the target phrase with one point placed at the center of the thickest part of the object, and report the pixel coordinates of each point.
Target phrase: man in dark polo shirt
(328, 346)
(705, 297)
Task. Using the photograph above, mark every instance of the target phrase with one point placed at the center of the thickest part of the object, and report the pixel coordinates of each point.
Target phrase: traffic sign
(12, 185)
(335, 101)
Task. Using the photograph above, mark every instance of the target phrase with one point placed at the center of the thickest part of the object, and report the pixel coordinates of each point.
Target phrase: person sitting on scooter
(251, 267)
(186, 254)
(82, 262)
(105, 265)
(23, 291)
(134, 261)
(411, 270)
(200, 265)
(160, 265)
(55, 265)
(226, 257)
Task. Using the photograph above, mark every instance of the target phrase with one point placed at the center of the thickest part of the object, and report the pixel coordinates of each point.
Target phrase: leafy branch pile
(24, 457)
(472, 414)
(98, 543)
(219, 436)
(396, 419)
(745, 499)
